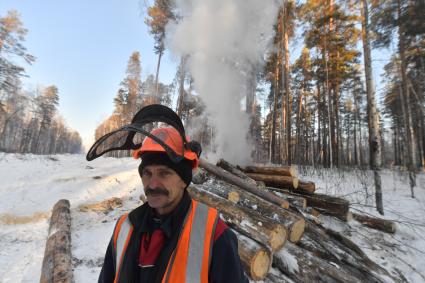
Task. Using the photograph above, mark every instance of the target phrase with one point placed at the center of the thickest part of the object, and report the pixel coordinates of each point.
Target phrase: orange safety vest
(190, 261)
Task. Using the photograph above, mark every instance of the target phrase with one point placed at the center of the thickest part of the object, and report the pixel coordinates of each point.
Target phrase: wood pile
(277, 225)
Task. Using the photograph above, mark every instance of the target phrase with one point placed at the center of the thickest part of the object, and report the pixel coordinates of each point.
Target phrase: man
(171, 238)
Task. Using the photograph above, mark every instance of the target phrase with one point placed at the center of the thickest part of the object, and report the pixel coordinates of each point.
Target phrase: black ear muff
(195, 147)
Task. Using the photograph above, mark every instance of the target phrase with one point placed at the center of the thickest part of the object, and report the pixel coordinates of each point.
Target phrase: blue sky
(83, 47)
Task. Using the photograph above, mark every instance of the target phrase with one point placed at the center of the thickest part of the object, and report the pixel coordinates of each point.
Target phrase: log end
(63, 203)
(295, 182)
(278, 238)
(260, 265)
(293, 171)
(349, 216)
(314, 212)
(297, 230)
(233, 197)
(284, 204)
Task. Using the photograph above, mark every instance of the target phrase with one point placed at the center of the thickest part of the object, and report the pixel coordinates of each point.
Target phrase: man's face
(163, 188)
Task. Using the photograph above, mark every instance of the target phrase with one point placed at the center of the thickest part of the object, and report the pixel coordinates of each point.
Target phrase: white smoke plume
(225, 40)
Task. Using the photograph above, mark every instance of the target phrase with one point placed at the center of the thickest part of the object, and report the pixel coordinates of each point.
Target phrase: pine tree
(126, 100)
(372, 111)
(288, 18)
(332, 35)
(390, 19)
(12, 36)
(46, 108)
(159, 14)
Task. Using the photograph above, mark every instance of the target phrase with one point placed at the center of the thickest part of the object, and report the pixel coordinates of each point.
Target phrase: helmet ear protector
(195, 147)
(128, 136)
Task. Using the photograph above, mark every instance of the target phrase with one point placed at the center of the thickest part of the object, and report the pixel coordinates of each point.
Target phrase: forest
(29, 120)
(322, 108)
(312, 101)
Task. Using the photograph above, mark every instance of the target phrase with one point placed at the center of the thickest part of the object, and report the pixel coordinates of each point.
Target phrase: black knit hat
(182, 168)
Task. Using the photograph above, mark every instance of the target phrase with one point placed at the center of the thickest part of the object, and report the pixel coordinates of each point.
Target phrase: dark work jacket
(225, 262)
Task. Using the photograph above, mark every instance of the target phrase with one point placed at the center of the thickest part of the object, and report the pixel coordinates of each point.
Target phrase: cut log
(325, 204)
(255, 258)
(235, 180)
(312, 211)
(260, 184)
(199, 176)
(241, 197)
(344, 256)
(308, 187)
(248, 222)
(295, 201)
(293, 223)
(235, 171)
(285, 182)
(57, 261)
(387, 226)
(346, 217)
(290, 171)
(303, 266)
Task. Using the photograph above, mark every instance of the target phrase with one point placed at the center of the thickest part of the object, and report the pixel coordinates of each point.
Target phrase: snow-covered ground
(31, 185)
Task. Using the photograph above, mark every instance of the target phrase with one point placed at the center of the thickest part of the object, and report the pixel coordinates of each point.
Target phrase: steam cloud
(226, 40)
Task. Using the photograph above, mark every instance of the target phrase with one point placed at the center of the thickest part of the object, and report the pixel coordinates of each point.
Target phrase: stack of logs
(275, 218)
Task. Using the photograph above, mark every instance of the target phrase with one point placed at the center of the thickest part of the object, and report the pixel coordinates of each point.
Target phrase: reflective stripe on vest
(191, 259)
(122, 235)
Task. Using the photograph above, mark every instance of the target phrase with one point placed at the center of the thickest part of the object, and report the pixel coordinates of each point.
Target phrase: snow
(32, 184)
(288, 260)
(403, 252)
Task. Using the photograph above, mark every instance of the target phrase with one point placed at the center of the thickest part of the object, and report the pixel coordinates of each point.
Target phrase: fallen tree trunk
(57, 261)
(293, 223)
(269, 170)
(250, 223)
(235, 180)
(235, 171)
(255, 258)
(285, 182)
(387, 226)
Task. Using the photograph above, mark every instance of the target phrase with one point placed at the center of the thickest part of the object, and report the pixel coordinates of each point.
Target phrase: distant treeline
(29, 122)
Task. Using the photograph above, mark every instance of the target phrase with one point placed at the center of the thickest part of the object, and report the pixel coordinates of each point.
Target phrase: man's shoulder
(220, 227)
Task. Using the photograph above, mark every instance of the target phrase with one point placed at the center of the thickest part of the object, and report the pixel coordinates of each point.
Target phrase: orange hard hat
(172, 138)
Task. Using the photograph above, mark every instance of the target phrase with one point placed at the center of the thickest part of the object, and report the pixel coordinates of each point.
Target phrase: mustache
(157, 191)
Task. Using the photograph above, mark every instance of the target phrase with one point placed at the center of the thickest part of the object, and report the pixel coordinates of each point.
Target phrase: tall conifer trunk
(405, 95)
(373, 117)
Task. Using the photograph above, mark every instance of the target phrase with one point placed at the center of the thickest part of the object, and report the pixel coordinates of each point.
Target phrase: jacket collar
(144, 217)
